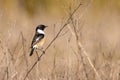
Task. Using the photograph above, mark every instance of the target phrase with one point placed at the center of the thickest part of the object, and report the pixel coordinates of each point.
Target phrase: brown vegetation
(83, 45)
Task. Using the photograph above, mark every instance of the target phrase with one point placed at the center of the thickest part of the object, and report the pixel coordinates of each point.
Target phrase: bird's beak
(46, 26)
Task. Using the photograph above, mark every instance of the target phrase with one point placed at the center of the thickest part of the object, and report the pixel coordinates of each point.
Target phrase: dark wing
(36, 39)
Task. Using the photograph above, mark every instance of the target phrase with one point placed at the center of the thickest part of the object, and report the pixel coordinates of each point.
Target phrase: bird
(38, 39)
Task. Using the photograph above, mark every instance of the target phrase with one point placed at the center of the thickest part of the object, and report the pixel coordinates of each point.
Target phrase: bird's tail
(32, 50)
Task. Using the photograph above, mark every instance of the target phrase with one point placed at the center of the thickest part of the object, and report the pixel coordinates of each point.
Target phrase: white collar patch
(40, 31)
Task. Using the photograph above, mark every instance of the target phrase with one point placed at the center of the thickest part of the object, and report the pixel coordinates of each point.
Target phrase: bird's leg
(37, 55)
(41, 49)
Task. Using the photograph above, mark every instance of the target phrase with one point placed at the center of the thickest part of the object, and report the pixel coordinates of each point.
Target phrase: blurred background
(98, 24)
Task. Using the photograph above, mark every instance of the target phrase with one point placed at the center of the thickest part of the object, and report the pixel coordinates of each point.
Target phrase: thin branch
(63, 33)
(80, 47)
(23, 46)
(16, 45)
(6, 74)
(67, 22)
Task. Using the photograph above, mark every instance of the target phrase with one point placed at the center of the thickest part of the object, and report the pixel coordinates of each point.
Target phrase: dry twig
(81, 49)
(66, 23)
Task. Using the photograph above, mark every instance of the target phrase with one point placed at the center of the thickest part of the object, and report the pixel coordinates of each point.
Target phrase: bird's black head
(41, 27)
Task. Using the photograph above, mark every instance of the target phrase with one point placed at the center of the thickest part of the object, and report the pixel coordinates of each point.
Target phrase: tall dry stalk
(81, 50)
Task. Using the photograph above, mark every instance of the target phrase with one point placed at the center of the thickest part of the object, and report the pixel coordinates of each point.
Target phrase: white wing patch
(40, 31)
(34, 46)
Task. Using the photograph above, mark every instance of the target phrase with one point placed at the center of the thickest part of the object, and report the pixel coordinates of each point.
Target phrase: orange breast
(40, 43)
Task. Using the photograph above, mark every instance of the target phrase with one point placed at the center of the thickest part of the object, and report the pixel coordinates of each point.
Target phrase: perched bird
(38, 39)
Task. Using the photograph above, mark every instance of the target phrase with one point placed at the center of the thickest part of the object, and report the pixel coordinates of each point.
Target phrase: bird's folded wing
(37, 38)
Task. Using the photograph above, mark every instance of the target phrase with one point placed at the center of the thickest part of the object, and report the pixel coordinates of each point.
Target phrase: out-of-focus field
(98, 27)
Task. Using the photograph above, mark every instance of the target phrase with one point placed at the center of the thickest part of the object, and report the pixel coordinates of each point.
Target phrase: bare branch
(81, 48)
(66, 23)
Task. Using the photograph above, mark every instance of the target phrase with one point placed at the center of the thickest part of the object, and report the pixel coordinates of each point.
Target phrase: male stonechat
(38, 39)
